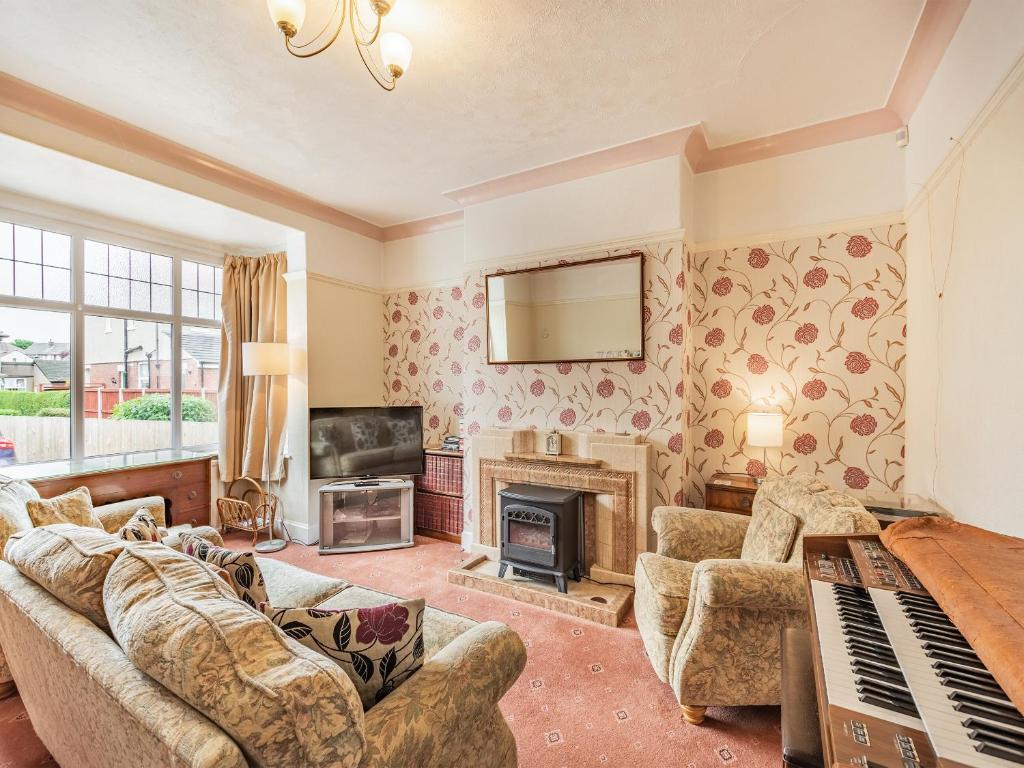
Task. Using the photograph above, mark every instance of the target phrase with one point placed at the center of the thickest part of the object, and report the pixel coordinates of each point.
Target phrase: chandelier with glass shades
(395, 49)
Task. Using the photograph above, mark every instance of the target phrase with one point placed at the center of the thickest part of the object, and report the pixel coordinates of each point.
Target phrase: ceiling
(494, 87)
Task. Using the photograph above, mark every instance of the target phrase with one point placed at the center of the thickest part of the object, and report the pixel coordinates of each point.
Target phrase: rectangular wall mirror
(581, 312)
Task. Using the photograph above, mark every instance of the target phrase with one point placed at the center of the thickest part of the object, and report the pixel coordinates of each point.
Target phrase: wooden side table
(724, 492)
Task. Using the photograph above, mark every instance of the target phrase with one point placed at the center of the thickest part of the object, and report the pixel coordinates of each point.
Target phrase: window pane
(120, 262)
(140, 296)
(119, 293)
(161, 269)
(162, 298)
(140, 266)
(189, 303)
(218, 280)
(6, 240)
(95, 257)
(95, 289)
(206, 306)
(7, 277)
(188, 274)
(200, 373)
(34, 386)
(206, 278)
(56, 250)
(28, 244)
(28, 280)
(127, 399)
(57, 283)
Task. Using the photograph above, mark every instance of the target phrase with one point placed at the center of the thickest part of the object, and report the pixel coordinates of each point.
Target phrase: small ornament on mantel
(552, 443)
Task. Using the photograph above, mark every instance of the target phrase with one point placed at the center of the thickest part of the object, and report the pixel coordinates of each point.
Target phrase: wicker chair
(247, 507)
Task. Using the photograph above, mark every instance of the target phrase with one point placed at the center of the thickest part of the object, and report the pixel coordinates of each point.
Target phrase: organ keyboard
(898, 686)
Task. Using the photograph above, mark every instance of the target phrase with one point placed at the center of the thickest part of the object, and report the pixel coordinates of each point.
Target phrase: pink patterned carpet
(588, 696)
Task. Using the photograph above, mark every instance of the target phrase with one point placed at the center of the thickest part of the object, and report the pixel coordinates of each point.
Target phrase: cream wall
(429, 259)
(853, 180)
(965, 409)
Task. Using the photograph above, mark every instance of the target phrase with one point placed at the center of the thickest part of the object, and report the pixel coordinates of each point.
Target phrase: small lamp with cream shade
(262, 358)
(764, 430)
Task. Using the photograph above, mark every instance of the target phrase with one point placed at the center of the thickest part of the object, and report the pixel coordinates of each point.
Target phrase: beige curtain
(254, 306)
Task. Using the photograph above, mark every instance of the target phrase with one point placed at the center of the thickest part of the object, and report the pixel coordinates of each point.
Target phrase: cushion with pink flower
(379, 648)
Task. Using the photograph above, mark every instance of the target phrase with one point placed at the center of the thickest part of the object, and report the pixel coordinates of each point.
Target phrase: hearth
(542, 532)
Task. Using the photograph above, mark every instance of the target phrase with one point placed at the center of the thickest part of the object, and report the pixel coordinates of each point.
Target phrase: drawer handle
(746, 501)
(176, 474)
(192, 494)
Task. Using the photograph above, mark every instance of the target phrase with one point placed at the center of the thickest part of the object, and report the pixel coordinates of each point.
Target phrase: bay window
(109, 344)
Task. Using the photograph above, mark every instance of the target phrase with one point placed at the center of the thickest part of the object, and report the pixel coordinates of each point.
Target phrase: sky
(35, 325)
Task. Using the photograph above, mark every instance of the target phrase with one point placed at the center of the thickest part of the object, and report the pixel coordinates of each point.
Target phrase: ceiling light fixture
(395, 49)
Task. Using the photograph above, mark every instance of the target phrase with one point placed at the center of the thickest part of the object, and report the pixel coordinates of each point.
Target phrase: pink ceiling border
(422, 226)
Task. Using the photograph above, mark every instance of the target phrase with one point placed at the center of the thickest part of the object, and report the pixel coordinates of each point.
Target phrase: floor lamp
(262, 358)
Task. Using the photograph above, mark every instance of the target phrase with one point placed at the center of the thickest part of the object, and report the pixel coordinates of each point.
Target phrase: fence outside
(38, 438)
(108, 398)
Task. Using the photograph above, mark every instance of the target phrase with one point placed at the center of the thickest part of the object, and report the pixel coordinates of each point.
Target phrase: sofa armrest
(457, 688)
(749, 584)
(691, 534)
(114, 515)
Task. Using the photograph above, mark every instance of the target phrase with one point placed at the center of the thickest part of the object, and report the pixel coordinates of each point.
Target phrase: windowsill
(95, 464)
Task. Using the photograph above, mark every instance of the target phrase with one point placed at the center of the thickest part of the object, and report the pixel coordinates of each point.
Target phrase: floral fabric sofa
(14, 518)
(712, 601)
(445, 714)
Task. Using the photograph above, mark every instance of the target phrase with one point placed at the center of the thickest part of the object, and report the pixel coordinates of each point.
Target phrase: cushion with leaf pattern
(379, 648)
(140, 527)
(245, 573)
(365, 434)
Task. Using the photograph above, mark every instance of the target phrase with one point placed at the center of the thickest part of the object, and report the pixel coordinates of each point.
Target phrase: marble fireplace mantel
(612, 472)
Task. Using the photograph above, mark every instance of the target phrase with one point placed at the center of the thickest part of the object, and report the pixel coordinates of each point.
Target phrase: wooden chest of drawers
(730, 493)
(185, 486)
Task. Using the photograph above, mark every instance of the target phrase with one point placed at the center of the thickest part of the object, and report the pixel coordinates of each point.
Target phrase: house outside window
(95, 355)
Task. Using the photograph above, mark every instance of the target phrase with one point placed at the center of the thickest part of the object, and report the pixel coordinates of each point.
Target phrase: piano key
(980, 675)
(981, 730)
(990, 710)
(891, 706)
(879, 671)
(960, 684)
(933, 651)
(1001, 752)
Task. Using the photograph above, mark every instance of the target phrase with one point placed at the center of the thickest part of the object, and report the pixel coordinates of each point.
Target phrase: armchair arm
(432, 716)
(117, 513)
(693, 535)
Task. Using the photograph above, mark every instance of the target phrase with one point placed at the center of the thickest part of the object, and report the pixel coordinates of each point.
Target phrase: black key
(941, 654)
(867, 687)
(1004, 754)
(960, 684)
(878, 667)
(944, 640)
(980, 730)
(890, 705)
(871, 652)
(972, 705)
(879, 675)
(866, 634)
(978, 675)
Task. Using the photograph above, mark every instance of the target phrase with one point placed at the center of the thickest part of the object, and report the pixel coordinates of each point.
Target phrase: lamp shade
(395, 51)
(264, 358)
(764, 430)
(290, 13)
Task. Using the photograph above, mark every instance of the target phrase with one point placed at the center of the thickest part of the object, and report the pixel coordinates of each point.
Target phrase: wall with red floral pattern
(814, 328)
(424, 335)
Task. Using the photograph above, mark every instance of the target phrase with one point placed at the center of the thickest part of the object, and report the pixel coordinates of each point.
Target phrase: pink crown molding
(423, 226)
(581, 166)
(46, 105)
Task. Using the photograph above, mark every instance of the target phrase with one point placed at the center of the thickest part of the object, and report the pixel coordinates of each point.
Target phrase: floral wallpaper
(814, 328)
(424, 334)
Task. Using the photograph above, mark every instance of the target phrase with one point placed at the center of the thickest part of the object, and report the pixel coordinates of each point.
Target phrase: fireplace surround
(542, 532)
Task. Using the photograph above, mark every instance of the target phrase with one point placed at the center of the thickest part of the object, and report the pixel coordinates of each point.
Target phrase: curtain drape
(254, 307)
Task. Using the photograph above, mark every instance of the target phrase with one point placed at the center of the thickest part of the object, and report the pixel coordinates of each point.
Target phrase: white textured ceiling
(494, 86)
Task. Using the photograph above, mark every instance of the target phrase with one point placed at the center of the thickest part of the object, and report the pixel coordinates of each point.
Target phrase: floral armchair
(712, 602)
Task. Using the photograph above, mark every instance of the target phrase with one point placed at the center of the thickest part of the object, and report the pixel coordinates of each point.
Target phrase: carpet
(588, 695)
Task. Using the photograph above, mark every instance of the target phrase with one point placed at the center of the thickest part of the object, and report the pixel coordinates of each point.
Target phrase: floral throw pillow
(365, 434)
(245, 573)
(379, 648)
(140, 527)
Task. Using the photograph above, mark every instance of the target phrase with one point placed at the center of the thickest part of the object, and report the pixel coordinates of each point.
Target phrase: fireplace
(542, 533)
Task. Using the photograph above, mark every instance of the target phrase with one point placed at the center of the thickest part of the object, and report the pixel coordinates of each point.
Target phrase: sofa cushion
(439, 627)
(379, 648)
(180, 624)
(172, 537)
(68, 561)
(13, 512)
(140, 527)
(771, 534)
(117, 513)
(73, 507)
(240, 566)
(290, 585)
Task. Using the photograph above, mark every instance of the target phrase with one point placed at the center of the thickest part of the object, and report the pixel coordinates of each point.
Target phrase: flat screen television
(365, 442)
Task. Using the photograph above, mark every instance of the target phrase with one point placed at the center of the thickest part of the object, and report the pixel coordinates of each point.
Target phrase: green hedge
(158, 408)
(31, 403)
(63, 413)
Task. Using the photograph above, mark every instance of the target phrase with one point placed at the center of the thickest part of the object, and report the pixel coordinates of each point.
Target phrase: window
(201, 286)
(123, 332)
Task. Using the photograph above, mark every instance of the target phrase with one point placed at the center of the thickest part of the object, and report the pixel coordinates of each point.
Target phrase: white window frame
(80, 231)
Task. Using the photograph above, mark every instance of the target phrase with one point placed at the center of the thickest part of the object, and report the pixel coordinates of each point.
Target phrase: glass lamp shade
(287, 13)
(764, 430)
(395, 52)
(263, 358)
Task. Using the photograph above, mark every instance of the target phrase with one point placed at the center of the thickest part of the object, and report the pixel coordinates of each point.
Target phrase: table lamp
(262, 358)
(764, 430)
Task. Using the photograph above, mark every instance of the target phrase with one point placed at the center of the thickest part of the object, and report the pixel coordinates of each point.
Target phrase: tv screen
(365, 442)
